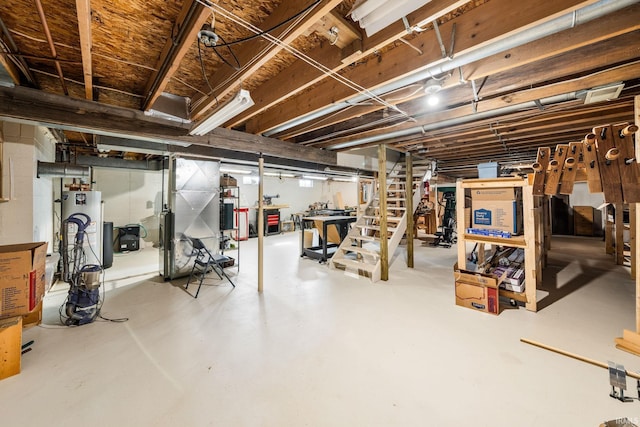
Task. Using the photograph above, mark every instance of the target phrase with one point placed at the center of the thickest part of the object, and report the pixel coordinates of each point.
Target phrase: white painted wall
(298, 198)
(131, 196)
(28, 216)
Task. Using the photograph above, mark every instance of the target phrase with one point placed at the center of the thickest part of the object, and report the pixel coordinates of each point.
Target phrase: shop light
(238, 171)
(224, 113)
(374, 15)
(316, 177)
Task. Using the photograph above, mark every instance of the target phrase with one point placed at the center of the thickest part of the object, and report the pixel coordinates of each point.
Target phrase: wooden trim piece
(633, 229)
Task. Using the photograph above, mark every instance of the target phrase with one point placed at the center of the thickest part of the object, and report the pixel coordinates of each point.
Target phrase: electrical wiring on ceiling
(325, 70)
(294, 20)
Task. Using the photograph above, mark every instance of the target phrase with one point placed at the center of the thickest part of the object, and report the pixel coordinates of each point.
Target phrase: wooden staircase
(359, 252)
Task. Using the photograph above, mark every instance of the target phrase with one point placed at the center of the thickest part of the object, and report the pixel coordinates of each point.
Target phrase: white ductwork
(561, 23)
(457, 121)
(63, 170)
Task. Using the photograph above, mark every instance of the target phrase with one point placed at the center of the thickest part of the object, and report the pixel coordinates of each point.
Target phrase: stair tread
(364, 251)
(365, 238)
(375, 227)
(389, 218)
(356, 264)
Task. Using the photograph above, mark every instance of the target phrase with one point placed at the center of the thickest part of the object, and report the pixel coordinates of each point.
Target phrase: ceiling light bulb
(433, 100)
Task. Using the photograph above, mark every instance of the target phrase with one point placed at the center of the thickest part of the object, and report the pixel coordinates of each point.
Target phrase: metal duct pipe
(457, 121)
(561, 23)
(63, 170)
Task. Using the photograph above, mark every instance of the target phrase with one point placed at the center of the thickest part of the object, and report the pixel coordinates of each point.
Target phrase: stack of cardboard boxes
(22, 287)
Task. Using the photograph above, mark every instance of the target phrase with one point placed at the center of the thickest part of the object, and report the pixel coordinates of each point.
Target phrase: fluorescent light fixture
(238, 171)
(374, 15)
(316, 177)
(279, 175)
(343, 179)
(224, 113)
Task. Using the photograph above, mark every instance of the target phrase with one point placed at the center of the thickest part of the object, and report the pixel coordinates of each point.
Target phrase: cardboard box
(493, 194)
(34, 318)
(497, 209)
(22, 278)
(10, 346)
(477, 291)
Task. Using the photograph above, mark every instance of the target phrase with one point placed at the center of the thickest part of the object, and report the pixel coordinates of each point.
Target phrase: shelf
(516, 296)
(516, 242)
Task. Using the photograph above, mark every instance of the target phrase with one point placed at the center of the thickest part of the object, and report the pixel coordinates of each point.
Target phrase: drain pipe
(63, 170)
(457, 121)
(561, 23)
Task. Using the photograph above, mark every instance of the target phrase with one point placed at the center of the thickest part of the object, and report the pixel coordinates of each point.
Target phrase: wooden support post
(619, 239)
(546, 211)
(608, 230)
(462, 246)
(531, 251)
(261, 223)
(633, 229)
(408, 187)
(384, 239)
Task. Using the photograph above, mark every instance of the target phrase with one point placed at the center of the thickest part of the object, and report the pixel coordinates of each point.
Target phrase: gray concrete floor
(322, 348)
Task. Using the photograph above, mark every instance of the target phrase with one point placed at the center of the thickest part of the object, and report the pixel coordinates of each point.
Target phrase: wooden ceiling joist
(183, 36)
(475, 29)
(83, 10)
(52, 46)
(261, 51)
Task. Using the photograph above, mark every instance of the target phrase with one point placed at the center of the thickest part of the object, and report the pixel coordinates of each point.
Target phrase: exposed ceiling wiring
(325, 70)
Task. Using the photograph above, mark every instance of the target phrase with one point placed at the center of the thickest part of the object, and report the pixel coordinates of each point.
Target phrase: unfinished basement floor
(323, 348)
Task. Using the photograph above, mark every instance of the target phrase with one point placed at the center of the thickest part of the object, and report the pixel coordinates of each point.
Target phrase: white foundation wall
(28, 215)
(298, 198)
(131, 196)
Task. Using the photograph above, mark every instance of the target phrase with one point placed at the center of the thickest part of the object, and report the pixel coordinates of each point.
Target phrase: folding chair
(205, 261)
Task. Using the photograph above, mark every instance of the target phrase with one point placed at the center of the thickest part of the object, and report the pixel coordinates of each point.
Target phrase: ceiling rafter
(83, 10)
(299, 77)
(261, 51)
(474, 28)
(52, 46)
(184, 34)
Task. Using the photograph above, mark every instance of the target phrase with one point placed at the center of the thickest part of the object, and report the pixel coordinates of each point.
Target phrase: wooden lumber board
(590, 158)
(530, 250)
(540, 169)
(608, 231)
(570, 168)
(609, 170)
(629, 168)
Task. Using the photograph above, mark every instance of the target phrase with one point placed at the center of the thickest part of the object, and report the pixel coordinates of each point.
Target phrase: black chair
(205, 262)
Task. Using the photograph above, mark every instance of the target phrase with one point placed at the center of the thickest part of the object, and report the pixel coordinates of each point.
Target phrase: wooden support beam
(384, 238)
(637, 252)
(52, 46)
(408, 186)
(183, 34)
(257, 53)
(532, 249)
(619, 235)
(83, 10)
(87, 116)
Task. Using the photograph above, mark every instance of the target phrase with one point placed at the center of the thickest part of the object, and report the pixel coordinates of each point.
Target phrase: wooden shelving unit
(532, 239)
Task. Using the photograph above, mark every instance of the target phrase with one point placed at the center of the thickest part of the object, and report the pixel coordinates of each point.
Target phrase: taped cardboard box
(11, 346)
(497, 209)
(22, 278)
(477, 291)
